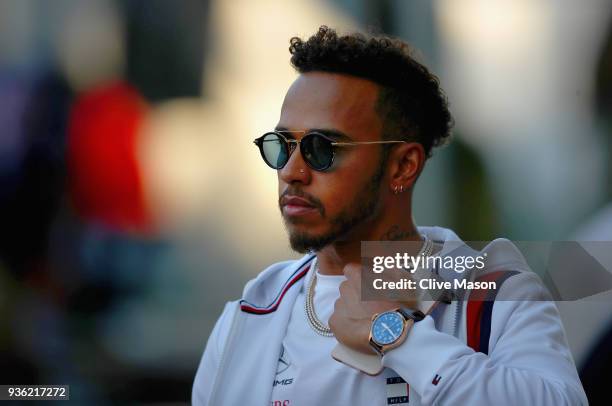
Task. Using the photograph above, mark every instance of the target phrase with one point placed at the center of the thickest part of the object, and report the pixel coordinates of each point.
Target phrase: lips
(296, 206)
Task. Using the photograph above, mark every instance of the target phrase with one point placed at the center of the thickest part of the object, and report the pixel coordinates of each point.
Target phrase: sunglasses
(317, 149)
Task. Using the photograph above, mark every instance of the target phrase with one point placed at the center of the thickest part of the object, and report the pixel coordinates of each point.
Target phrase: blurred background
(133, 203)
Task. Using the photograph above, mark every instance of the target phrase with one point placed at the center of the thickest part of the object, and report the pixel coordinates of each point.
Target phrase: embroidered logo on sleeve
(398, 391)
(436, 379)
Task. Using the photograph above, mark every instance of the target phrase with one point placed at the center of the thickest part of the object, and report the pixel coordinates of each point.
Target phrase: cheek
(358, 163)
(339, 196)
(339, 187)
(333, 194)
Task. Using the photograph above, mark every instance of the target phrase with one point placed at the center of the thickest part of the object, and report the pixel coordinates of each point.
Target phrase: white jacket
(528, 360)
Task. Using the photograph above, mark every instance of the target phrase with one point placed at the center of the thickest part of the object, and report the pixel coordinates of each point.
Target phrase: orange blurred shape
(105, 179)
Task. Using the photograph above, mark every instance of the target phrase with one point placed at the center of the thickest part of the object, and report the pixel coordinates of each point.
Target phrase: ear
(407, 161)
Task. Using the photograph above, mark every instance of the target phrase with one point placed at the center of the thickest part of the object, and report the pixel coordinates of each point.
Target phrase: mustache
(316, 203)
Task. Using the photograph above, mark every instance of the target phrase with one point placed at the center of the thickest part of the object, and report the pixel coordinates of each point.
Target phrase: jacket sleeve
(529, 361)
(207, 369)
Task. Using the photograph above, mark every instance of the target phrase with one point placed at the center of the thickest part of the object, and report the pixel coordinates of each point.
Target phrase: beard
(362, 207)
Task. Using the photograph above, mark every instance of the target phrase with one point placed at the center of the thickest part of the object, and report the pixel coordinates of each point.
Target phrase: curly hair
(411, 104)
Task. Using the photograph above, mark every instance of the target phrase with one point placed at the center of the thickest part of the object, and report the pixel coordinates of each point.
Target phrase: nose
(295, 170)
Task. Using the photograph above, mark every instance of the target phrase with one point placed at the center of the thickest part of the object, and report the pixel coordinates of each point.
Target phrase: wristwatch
(389, 329)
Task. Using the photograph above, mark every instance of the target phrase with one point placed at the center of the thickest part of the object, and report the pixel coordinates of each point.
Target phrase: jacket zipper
(457, 318)
(459, 308)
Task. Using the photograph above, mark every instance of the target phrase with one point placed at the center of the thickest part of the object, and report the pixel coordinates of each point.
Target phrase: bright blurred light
(180, 157)
(497, 62)
(502, 29)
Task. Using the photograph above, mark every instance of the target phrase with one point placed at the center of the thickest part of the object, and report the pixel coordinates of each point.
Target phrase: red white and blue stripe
(299, 273)
(480, 311)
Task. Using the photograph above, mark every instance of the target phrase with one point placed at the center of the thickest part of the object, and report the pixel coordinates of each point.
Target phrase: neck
(333, 258)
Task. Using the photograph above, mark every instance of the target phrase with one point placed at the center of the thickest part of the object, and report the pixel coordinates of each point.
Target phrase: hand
(351, 320)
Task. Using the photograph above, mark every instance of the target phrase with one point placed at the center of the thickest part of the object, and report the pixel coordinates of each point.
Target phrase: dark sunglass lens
(274, 150)
(317, 150)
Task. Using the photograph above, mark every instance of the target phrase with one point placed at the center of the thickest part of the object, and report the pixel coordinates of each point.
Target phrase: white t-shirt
(307, 374)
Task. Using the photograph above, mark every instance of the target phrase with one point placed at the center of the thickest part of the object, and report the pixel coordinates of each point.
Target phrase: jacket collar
(268, 290)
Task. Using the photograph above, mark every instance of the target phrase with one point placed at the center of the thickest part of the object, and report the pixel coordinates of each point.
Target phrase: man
(355, 130)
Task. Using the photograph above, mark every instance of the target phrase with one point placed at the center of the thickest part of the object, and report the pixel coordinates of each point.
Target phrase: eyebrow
(325, 131)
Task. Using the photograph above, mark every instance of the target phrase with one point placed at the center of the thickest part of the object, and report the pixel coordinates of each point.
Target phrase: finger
(352, 271)
(349, 292)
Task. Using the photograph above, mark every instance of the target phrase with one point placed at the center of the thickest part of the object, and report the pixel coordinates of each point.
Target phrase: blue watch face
(387, 327)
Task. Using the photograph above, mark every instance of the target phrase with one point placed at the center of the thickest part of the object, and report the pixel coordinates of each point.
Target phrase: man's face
(319, 208)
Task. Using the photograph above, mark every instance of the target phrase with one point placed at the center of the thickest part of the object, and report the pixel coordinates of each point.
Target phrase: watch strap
(411, 314)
